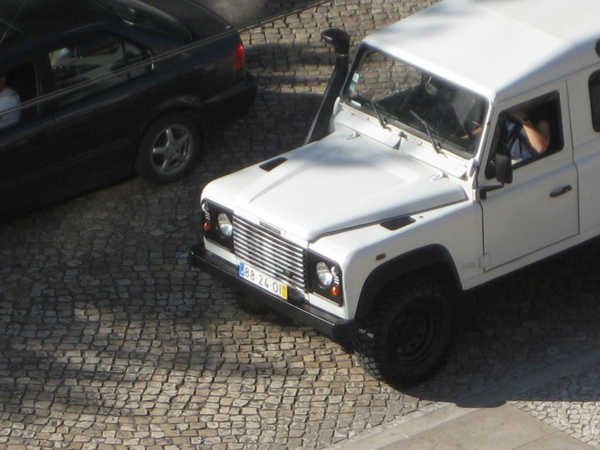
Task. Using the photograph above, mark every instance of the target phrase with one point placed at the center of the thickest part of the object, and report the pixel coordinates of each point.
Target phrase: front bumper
(340, 330)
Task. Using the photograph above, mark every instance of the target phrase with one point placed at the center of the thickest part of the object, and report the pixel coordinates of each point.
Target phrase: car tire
(249, 305)
(169, 150)
(408, 334)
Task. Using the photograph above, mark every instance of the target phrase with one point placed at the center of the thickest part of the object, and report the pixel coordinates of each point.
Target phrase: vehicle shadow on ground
(528, 321)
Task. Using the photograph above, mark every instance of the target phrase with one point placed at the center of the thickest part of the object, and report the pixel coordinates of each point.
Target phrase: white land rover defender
(463, 143)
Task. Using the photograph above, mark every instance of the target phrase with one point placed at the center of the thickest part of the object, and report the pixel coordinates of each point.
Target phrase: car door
(27, 151)
(103, 86)
(540, 207)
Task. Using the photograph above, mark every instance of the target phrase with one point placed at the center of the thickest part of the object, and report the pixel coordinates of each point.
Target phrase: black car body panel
(94, 75)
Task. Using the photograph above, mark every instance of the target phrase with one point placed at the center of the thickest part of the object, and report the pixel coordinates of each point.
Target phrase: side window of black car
(18, 89)
(95, 65)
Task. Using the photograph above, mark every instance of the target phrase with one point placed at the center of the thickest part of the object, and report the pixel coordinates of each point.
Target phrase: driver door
(539, 208)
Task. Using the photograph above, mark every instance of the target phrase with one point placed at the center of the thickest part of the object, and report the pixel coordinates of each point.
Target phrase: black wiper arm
(436, 146)
(381, 119)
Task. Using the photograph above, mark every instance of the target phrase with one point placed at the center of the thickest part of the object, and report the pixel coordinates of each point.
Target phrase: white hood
(337, 183)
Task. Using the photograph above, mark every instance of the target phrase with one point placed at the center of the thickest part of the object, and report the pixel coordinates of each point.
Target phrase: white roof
(500, 48)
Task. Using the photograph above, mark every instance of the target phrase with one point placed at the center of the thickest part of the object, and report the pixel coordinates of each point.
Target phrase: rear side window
(18, 85)
(594, 85)
(94, 65)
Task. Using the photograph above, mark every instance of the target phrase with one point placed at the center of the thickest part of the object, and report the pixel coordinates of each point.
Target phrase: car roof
(501, 48)
(28, 20)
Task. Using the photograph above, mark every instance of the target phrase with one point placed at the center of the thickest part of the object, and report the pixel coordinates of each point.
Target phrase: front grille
(270, 253)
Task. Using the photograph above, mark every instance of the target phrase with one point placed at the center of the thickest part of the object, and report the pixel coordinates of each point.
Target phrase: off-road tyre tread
(372, 338)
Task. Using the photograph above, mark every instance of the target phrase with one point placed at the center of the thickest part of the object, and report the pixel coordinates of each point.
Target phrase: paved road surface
(108, 340)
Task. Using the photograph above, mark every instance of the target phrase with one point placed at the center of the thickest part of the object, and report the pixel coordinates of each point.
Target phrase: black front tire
(407, 336)
(169, 150)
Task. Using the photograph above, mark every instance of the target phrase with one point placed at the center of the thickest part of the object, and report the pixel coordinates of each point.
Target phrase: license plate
(263, 280)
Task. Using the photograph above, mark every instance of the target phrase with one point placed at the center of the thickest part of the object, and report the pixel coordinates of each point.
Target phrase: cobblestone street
(109, 340)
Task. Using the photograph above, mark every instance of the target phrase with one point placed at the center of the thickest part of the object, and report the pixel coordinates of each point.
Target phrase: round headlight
(324, 274)
(225, 225)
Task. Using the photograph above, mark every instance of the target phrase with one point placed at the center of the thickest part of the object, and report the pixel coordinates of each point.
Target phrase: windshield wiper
(436, 146)
(382, 120)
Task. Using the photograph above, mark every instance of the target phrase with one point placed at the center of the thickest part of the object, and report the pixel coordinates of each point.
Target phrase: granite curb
(484, 411)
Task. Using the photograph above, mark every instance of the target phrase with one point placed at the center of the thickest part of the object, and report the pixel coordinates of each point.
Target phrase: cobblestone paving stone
(108, 340)
(580, 417)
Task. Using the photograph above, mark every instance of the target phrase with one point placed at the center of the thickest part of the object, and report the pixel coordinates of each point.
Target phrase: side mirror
(502, 168)
(504, 172)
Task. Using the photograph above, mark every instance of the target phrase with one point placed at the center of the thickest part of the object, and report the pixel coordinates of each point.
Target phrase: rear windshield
(146, 17)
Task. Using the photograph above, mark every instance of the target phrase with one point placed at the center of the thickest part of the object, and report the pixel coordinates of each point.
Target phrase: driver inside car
(528, 138)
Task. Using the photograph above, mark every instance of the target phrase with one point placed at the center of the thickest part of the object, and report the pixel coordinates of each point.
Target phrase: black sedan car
(93, 91)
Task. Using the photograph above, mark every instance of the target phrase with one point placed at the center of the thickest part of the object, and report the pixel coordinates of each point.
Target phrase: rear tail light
(239, 58)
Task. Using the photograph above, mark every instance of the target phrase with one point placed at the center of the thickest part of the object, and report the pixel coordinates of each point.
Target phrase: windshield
(395, 92)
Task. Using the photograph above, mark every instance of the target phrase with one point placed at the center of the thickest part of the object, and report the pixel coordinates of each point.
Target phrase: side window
(94, 65)
(17, 86)
(531, 130)
(594, 85)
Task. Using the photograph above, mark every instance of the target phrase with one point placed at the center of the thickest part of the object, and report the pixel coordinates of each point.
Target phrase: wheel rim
(414, 336)
(172, 149)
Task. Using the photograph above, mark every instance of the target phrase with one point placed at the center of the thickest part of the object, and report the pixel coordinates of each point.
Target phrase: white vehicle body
(380, 200)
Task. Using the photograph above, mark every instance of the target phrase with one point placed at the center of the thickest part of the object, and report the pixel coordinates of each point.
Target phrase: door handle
(560, 191)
